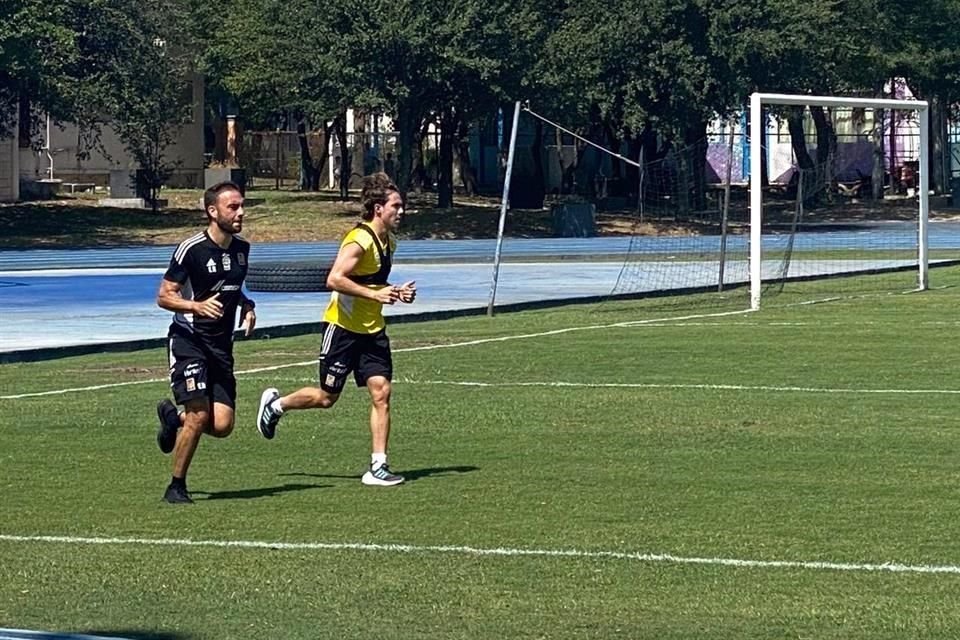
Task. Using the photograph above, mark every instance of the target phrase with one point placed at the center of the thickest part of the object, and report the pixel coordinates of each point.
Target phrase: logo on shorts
(211, 265)
(331, 380)
(191, 384)
(226, 262)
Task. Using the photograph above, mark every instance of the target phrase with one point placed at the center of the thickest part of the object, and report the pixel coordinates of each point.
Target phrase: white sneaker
(267, 418)
(381, 477)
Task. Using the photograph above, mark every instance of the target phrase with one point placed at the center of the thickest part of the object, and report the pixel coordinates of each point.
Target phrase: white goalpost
(757, 147)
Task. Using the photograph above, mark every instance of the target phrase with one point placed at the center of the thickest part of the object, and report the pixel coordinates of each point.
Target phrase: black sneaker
(177, 495)
(267, 418)
(381, 477)
(169, 424)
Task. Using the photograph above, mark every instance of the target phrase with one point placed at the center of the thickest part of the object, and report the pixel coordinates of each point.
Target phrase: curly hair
(377, 188)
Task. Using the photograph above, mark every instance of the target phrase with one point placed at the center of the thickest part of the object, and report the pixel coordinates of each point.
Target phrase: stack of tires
(299, 277)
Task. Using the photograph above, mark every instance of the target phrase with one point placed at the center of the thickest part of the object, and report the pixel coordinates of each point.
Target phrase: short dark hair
(210, 195)
(377, 188)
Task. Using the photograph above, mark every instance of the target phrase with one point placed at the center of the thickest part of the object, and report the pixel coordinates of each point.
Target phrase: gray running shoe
(381, 477)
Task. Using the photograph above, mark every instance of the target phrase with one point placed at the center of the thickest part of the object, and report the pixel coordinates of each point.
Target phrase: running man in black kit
(203, 287)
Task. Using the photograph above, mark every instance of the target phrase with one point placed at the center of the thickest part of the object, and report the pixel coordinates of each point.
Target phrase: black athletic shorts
(201, 368)
(342, 351)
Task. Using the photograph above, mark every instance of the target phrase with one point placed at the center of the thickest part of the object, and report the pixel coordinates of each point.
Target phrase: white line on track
(891, 567)
(432, 347)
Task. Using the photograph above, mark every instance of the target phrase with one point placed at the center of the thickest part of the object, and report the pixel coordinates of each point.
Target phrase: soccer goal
(839, 200)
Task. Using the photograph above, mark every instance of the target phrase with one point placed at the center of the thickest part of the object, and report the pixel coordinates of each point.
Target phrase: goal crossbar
(758, 100)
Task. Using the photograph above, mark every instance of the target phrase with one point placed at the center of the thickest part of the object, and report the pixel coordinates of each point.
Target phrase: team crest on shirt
(211, 265)
(241, 259)
(226, 262)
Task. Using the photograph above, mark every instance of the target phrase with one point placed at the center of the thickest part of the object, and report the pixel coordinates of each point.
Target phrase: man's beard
(227, 227)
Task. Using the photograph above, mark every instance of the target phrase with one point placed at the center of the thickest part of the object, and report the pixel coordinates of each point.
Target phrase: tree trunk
(529, 194)
(798, 143)
(696, 143)
(324, 154)
(878, 156)
(448, 129)
(407, 123)
(467, 173)
(826, 151)
(420, 178)
(340, 128)
(219, 126)
(616, 167)
(566, 168)
(938, 158)
(309, 172)
(797, 139)
(361, 144)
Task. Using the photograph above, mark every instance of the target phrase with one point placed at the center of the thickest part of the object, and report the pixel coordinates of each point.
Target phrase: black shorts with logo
(342, 351)
(201, 368)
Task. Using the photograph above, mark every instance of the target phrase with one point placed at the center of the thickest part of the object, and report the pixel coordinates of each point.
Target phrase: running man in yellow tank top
(353, 332)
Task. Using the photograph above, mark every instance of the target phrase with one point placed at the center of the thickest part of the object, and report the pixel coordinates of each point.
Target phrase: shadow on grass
(129, 635)
(411, 474)
(99, 634)
(263, 492)
(269, 196)
(80, 225)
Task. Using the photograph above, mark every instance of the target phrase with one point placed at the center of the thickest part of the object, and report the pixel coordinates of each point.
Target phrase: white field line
(432, 347)
(892, 567)
(709, 387)
(660, 322)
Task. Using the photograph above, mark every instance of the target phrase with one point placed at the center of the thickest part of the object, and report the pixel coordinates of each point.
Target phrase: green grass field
(592, 471)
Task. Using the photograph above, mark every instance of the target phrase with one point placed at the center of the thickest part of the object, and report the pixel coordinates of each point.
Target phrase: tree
(42, 56)
(95, 61)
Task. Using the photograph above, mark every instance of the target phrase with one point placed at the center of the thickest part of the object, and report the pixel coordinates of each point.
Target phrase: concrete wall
(67, 166)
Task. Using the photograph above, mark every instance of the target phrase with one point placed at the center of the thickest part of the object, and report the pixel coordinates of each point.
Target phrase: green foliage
(93, 61)
(44, 56)
(619, 65)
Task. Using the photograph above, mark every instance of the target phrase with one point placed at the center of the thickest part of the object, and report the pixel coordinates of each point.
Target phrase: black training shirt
(203, 269)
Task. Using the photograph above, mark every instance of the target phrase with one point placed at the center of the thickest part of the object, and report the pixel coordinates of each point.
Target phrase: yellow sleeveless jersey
(361, 315)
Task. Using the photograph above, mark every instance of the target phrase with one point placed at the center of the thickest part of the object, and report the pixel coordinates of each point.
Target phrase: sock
(377, 460)
(178, 482)
(276, 408)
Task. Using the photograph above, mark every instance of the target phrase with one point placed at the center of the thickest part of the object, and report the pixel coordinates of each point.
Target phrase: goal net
(829, 199)
(845, 204)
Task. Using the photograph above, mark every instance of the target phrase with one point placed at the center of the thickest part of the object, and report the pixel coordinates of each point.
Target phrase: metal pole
(924, 186)
(277, 166)
(756, 197)
(503, 208)
(49, 150)
(641, 166)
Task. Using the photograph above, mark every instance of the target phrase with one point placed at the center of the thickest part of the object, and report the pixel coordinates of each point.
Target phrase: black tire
(288, 276)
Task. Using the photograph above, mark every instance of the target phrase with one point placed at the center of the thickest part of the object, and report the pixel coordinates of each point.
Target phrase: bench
(79, 186)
